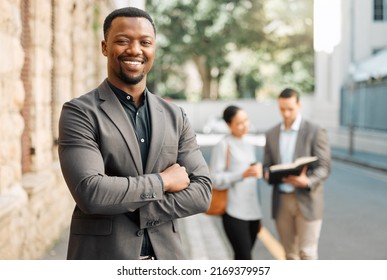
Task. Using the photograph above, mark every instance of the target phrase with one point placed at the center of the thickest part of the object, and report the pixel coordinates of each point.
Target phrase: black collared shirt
(139, 118)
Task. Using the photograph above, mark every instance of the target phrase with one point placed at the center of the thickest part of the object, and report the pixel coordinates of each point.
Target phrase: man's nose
(286, 114)
(134, 48)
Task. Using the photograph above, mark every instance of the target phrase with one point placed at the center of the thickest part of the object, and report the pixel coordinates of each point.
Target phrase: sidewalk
(370, 160)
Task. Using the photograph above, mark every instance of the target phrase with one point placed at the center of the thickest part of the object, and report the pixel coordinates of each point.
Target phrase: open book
(279, 171)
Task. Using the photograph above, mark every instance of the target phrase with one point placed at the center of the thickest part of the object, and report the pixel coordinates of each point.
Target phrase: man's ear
(103, 47)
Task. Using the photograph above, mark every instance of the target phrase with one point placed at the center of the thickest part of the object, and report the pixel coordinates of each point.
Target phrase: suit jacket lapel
(158, 131)
(113, 109)
(276, 150)
(298, 152)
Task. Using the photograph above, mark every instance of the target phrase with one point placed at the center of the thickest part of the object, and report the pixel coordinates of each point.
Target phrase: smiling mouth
(129, 62)
(132, 65)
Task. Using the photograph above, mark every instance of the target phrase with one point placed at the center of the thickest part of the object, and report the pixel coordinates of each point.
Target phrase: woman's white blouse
(243, 195)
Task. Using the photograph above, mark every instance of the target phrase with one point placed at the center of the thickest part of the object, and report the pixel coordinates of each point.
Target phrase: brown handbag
(219, 197)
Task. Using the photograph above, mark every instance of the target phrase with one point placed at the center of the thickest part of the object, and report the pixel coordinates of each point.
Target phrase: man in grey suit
(297, 202)
(129, 158)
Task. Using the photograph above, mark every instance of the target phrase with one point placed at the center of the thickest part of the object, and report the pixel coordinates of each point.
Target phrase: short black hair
(288, 93)
(125, 12)
(230, 112)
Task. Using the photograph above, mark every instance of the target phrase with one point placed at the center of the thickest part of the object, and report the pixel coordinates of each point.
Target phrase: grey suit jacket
(115, 198)
(311, 141)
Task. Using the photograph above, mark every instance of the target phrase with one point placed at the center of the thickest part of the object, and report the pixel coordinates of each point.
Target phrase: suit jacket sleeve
(94, 190)
(321, 149)
(192, 200)
(271, 148)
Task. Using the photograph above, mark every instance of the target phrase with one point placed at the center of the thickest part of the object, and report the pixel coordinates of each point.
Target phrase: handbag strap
(227, 155)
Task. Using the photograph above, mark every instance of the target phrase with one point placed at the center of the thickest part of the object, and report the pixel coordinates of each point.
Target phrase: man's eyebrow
(128, 36)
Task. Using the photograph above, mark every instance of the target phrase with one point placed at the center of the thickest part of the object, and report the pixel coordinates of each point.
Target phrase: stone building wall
(49, 53)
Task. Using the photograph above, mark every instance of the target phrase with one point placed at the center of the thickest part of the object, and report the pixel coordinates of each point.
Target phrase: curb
(349, 159)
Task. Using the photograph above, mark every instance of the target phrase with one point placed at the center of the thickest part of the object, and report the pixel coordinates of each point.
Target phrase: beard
(131, 80)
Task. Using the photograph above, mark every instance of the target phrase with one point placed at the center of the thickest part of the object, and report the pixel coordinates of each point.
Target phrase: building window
(380, 10)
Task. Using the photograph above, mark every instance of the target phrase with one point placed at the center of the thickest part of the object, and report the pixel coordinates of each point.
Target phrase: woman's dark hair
(125, 12)
(230, 112)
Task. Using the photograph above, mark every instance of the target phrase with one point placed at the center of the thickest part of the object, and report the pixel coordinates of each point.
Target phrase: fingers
(297, 181)
(267, 175)
(175, 178)
(254, 171)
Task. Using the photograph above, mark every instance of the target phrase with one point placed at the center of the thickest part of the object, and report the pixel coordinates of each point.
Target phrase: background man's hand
(300, 181)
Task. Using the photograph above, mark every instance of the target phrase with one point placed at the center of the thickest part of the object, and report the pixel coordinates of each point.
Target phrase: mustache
(131, 57)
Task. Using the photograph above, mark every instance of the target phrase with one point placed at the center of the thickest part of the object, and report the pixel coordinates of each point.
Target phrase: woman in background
(239, 174)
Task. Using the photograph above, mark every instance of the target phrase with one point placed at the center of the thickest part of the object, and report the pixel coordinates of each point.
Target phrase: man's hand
(267, 175)
(175, 178)
(300, 181)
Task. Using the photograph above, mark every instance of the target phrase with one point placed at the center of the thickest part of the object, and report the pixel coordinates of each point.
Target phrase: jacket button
(140, 232)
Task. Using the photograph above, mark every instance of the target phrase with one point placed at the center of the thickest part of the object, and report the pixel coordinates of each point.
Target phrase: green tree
(204, 32)
(266, 45)
(290, 35)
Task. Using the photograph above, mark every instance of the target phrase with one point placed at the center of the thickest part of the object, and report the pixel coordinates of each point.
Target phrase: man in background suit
(298, 202)
(129, 158)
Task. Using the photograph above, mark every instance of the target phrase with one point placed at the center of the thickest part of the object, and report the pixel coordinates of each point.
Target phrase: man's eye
(122, 42)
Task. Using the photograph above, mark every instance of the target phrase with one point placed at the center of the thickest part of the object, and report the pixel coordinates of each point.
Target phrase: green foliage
(290, 32)
(272, 36)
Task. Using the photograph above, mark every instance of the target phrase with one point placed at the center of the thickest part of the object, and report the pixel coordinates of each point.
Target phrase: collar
(123, 96)
(296, 124)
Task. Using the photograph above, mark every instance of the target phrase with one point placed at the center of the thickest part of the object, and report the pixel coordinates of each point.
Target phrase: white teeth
(132, 62)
